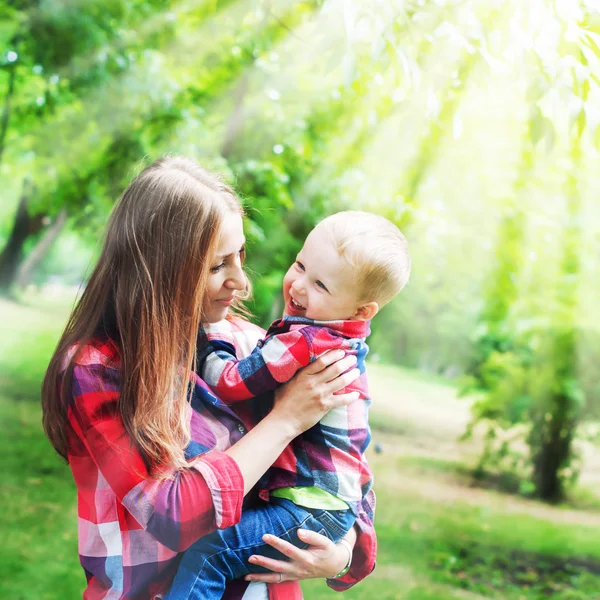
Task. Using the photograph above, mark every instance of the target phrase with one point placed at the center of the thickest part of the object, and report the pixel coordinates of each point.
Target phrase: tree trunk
(554, 453)
(23, 227)
(35, 257)
(557, 433)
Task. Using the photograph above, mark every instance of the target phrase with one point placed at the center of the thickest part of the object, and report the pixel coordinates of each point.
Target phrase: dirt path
(432, 417)
(448, 487)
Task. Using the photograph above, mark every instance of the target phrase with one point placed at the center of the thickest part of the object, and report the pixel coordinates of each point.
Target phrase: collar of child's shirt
(349, 329)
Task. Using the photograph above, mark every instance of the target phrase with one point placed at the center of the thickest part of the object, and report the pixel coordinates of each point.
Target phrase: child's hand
(311, 394)
(321, 559)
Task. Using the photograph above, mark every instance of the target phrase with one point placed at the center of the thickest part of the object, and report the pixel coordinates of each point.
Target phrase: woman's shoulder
(94, 379)
(245, 335)
(95, 351)
(241, 325)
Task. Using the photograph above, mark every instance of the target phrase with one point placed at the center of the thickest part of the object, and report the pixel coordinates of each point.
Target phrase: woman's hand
(321, 559)
(311, 394)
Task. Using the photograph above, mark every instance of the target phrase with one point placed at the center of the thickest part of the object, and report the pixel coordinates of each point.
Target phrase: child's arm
(365, 549)
(274, 361)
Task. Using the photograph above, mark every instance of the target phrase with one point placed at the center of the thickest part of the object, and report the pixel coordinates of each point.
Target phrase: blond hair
(375, 248)
(146, 294)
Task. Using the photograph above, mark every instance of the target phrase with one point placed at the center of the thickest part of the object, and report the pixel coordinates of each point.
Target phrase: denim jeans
(221, 556)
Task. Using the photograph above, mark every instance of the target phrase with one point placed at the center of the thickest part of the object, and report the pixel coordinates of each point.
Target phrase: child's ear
(366, 312)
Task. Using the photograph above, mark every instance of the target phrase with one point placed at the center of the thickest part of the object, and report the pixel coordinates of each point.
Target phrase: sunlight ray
(127, 98)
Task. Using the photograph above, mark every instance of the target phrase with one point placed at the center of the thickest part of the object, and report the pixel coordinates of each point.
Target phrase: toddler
(351, 264)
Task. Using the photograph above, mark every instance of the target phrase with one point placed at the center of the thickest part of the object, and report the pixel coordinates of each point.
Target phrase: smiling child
(351, 264)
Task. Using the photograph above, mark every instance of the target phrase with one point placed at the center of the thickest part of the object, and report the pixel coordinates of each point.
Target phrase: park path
(431, 418)
(449, 488)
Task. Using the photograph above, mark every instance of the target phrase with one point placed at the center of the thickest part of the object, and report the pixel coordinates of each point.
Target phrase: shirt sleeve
(176, 509)
(274, 361)
(365, 549)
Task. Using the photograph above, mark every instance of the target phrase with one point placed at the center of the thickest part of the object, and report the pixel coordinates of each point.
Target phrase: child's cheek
(286, 288)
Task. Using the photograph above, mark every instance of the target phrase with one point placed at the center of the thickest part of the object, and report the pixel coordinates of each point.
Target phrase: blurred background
(472, 124)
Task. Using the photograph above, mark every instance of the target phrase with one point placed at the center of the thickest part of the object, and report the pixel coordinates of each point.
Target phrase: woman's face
(226, 275)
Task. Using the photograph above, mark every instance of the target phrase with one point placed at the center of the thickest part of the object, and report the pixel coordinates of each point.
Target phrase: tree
(530, 367)
(44, 43)
(23, 227)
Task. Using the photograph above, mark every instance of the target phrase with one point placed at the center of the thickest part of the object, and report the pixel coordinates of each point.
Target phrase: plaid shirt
(132, 528)
(330, 455)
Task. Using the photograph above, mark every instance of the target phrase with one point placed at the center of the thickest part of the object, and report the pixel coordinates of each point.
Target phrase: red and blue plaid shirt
(132, 527)
(329, 455)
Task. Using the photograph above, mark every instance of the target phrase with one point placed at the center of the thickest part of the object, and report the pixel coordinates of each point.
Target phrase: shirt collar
(351, 329)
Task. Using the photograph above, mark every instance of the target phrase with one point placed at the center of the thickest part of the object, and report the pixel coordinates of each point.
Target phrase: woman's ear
(366, 312)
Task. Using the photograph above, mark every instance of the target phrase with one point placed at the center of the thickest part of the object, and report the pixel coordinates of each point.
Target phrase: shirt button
(241, 428)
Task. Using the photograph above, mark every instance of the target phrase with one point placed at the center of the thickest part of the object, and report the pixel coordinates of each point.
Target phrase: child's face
(320, 285)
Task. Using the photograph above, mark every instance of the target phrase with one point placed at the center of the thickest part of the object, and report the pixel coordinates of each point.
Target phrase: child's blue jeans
(223, 555)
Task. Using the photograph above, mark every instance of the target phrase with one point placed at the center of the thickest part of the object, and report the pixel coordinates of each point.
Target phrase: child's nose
(298, 286)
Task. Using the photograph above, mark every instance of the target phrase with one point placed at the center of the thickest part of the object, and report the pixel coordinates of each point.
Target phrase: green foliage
(530, 366)
(471, 125)
(533, 395)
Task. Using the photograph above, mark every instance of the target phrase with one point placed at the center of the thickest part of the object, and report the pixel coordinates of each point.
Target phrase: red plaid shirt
(132, 528)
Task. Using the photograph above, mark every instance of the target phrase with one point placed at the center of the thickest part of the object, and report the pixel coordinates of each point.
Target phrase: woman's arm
(323, 558)
(177, 509)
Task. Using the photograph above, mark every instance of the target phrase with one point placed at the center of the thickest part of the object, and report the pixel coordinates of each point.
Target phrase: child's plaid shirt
(132, 528)
(330, 455)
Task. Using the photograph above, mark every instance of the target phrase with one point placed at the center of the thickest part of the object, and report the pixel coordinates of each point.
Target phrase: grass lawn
(38, 523)
(439, 537)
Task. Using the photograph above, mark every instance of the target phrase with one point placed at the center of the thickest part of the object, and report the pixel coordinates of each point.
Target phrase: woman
(157, 459)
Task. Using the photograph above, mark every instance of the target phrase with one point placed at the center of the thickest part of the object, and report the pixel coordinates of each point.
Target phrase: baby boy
(352, 263)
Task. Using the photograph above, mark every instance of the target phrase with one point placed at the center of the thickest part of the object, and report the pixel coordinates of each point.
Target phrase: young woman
(157, 459)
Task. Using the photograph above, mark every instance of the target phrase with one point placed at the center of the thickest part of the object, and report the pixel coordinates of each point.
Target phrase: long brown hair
(146, 294)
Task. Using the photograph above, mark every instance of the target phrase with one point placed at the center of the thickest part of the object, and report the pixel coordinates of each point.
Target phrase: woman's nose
(236, 279)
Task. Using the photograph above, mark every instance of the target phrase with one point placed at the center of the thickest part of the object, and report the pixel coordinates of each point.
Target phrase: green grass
(38, 555)
(438, 538)
(30, 332)
(38, 523)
